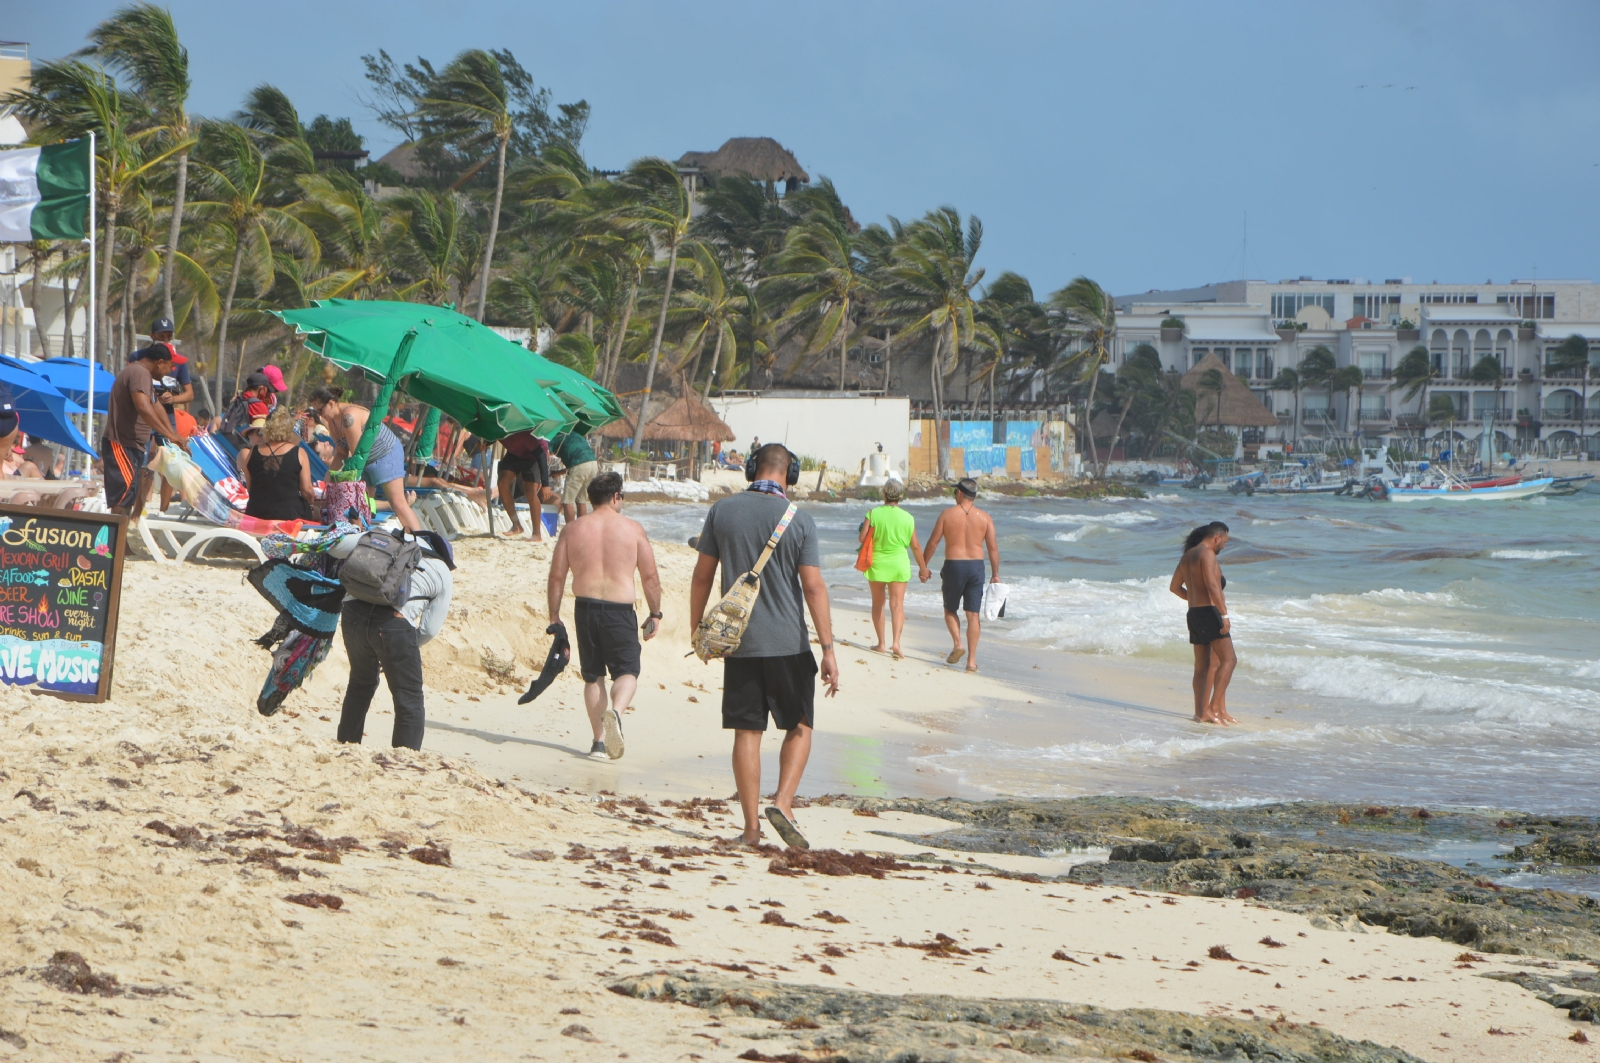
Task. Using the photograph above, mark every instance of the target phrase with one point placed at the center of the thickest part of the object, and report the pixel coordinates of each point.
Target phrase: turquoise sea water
(1408, 653)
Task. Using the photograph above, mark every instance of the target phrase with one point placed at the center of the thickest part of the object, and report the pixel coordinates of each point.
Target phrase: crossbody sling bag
(722, 628)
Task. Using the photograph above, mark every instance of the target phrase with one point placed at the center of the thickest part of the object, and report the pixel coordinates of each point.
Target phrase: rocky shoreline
(821, 1025)
(1340, 864)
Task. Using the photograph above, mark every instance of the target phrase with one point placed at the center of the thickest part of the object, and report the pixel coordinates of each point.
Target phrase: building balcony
(1561, 375)
(1377, 374)
(1569, 415)
(1408, 420)
(1374, 416)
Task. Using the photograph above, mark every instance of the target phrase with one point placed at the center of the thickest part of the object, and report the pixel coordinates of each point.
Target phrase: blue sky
(1133, 142)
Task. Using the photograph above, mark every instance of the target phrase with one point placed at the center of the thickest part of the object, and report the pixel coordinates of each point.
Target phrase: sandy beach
(190, 880)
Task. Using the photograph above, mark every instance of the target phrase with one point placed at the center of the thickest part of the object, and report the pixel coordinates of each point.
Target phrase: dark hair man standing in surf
(1200, 582)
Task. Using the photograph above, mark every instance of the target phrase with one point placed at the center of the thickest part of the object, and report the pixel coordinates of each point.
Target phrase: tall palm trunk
(103, 310)
(227, 312)
(69, 300)
(655, 346)
(844, 338)
(716, 364)
(33, 296)
(174, 230)
(494, 223)
(941, 440)
(1088, 413)
(614, 354)
(1297, 417)
(1116, 434)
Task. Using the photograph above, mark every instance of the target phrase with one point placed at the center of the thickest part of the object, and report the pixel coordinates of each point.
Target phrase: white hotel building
(1257, 327)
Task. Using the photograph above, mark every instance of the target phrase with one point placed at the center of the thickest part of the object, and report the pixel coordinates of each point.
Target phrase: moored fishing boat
(1457, 491)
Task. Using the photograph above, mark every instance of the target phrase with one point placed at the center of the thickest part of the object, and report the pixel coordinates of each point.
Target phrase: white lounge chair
(188, 539)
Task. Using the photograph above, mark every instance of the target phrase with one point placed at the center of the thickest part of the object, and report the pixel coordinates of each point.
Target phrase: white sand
(253, 977)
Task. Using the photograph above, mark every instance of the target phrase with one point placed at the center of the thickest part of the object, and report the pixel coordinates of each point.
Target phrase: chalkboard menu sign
(60, 578)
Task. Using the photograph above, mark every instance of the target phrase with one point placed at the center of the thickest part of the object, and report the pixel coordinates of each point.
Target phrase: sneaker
(613, 728)
(598, 751)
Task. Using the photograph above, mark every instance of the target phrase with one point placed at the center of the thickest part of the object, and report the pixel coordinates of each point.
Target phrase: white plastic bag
(994, 600)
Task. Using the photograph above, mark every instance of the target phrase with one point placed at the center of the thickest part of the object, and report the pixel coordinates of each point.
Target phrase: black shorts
(607, 638)
(962, 583)
(1205, 625)
(753, 687)
(124, 472)
(534, 469)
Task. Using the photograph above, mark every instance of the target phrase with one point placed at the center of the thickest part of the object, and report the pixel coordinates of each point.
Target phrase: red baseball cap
(274, 377)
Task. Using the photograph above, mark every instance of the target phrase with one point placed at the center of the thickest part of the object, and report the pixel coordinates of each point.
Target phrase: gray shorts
(391, 466)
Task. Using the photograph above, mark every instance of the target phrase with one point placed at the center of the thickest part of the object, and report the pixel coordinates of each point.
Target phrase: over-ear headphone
(792, 476)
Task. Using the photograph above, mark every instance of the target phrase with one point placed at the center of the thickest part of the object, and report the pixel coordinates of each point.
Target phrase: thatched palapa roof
(1240, 408)
(687, 420)
(759, 157)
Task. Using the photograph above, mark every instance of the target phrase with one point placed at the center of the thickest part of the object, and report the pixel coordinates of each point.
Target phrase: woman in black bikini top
(1199, 581)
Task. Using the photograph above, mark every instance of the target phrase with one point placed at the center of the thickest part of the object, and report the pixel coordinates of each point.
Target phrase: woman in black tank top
(275, 472)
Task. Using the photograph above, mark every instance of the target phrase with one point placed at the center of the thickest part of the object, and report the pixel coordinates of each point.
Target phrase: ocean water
(1417, 653)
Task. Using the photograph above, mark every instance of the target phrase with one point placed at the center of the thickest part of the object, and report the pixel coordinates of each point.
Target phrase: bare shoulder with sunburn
(603, 551)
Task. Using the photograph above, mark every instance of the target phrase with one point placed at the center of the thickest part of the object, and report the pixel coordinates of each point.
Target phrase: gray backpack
(379, 569)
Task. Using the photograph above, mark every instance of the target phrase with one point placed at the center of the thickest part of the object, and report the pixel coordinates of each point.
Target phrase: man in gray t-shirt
(772, 671)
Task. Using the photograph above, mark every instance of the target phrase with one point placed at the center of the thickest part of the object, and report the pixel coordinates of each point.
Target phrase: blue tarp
(41, 408)
(70, 376)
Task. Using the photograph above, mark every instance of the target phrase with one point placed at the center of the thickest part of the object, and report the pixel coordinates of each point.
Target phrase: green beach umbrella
(592, 405)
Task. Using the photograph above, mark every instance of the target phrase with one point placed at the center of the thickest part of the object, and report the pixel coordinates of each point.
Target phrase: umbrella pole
(492, 486)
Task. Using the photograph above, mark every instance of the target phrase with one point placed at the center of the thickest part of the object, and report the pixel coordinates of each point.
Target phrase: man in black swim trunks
(1199, 581)
(603, 549)
(967, 532)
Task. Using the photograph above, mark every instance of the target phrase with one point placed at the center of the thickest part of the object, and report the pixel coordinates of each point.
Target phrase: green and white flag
(44, 192)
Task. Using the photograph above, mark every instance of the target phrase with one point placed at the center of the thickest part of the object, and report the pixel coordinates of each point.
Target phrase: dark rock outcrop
(814, 1023)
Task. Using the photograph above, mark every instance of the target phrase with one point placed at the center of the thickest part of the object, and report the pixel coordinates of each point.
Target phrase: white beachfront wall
(838, 429)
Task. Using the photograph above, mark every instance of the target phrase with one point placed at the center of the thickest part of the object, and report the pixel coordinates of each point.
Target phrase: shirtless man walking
(1199, 581)
(603, 549)
(967, 532)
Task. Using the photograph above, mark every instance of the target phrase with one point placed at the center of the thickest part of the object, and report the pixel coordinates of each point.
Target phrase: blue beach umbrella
(70, 376)
(41, 408)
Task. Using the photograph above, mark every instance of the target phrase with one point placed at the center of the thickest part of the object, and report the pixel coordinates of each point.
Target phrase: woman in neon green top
(893, 530)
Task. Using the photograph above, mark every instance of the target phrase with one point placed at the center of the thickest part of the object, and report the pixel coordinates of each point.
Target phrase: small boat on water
(1461, 491)
(1561, 486)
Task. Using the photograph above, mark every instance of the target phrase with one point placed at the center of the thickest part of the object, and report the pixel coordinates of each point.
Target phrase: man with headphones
(772, 672)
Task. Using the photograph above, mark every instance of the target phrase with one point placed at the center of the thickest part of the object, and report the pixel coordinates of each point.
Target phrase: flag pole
(88, 416)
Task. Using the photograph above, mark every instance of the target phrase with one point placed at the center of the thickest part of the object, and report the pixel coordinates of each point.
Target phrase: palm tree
(1289, 380)
(1487, 370)
(141, 42)
(827, 279)
(1090, 313)
(1415, 373)
(1316, 370)
(356, 237)
(928, 289)
(468, 103)
(1347, 379)
(746, 221)
(712, 310)
(235, 178)
(1572, 355)
(69, 98)
(1018, 321)
(431, 252)
(658, 206)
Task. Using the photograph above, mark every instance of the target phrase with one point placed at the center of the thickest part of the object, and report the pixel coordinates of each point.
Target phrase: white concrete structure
(841, 429)
(1257, 328)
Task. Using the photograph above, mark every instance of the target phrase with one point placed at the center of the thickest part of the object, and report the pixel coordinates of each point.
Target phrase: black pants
(373, 635)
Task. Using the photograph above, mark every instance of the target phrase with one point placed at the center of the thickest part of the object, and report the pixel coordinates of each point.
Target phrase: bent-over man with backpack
(772, 671)
(397, 594)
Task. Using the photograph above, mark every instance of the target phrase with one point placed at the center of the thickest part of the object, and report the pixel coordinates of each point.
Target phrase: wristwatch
(657, 616)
